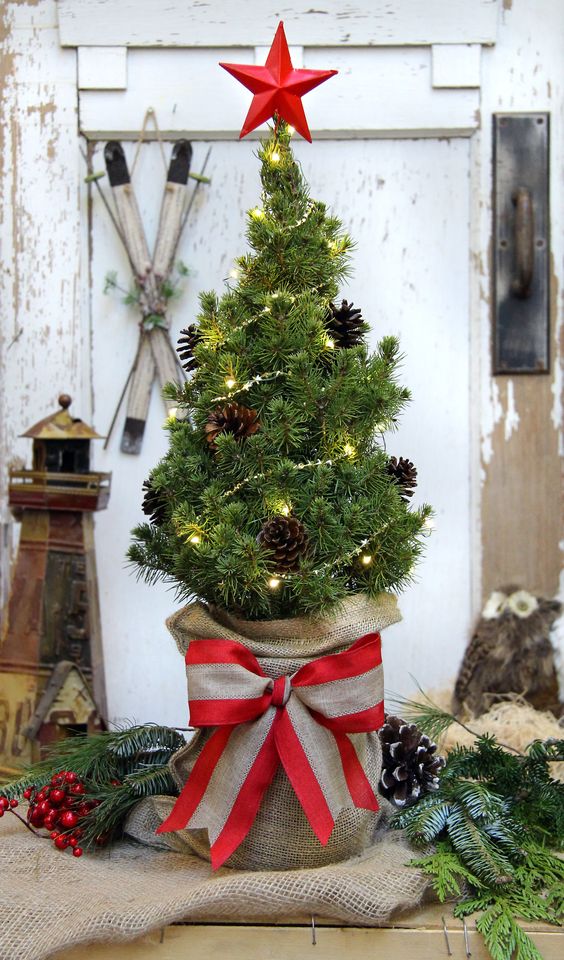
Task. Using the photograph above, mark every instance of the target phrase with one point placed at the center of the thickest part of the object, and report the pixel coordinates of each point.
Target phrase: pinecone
(286, 538)
(345, 324)
(154, 504)
(232, 418)
(409, 767)
(187, 342)
(404, 473)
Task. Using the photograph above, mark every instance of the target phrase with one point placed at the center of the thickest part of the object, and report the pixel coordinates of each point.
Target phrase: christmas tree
(276, 497)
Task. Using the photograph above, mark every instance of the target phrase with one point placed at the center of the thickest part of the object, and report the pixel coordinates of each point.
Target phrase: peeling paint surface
(511, 421)
(40, 322)
(520, 416)
(420, 212)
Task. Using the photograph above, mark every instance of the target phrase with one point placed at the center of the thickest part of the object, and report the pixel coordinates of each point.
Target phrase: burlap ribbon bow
(301, 721)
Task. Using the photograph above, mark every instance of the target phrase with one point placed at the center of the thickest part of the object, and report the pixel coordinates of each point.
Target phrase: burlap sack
(281, 837)
(50, 901)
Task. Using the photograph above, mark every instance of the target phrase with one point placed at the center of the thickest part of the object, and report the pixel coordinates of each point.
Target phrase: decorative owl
(510, 652)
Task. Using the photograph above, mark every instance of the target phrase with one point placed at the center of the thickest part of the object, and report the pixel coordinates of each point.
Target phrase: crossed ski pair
(155, 352)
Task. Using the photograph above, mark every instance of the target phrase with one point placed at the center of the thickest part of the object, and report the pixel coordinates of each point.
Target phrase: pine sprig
(494, 822)
(118, 767)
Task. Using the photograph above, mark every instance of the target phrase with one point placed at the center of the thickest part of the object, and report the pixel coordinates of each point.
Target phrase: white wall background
(417, 202)
(410, 276)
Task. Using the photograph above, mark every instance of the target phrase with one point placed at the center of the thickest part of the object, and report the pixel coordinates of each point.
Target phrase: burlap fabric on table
(50, 900)
(281, 837)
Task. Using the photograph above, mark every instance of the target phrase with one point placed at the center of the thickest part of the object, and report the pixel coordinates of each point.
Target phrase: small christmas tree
(276, 497)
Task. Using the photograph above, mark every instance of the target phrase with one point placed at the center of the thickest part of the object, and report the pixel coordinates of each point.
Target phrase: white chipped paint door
(406, 204)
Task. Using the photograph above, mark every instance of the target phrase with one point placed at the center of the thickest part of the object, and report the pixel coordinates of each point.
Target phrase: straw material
(514, 722)
(281, 837)
(50, 901)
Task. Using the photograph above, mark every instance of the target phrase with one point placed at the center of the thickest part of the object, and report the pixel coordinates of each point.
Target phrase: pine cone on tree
(286, 539)
(232, 418)
(187, 342)
(409, 765)
(345, 324)
(154, 504)
(404, 473)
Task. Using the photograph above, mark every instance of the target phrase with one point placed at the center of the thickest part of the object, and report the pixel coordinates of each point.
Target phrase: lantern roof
(61, 426)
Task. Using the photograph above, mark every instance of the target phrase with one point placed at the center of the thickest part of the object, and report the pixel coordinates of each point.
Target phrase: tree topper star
(277, 87)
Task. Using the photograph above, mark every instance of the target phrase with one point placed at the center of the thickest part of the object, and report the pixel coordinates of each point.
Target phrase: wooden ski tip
(180, 161)
(132, 437)
(116, 164)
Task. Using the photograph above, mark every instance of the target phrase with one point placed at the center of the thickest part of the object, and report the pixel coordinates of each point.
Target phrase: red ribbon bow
(300, 721)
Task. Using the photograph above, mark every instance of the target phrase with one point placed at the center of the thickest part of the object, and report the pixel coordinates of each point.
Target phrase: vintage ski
(155, 352)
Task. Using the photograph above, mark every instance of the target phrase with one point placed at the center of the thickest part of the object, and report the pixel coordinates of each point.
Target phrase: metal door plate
(521, 243)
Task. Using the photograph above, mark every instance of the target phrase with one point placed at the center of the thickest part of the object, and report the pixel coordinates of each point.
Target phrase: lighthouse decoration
(51, 676)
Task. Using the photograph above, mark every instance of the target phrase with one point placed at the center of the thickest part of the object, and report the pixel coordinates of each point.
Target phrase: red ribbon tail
(303, 780)
(197, 782)
(248, 801)
(358, 784)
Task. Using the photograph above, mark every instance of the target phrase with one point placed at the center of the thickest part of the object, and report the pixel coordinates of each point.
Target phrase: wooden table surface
(417, 936)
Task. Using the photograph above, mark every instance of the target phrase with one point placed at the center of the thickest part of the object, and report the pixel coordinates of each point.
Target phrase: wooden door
(402, 152)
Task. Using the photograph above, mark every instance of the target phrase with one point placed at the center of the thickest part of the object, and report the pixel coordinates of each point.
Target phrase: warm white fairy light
(230, 383)
(195, 539)
(349, 450)
(275, 157)
(298, 223)
(285, 510)
(274, 583)
(291, 130)
(329, 343)
(257, 214)
(234, 273)
(172, 411)
(366, 559)
(261, 377)
(296, 466)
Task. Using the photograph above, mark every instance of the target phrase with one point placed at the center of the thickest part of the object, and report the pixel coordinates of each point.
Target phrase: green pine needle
(497, 822)
(268, 343)
(118, 767)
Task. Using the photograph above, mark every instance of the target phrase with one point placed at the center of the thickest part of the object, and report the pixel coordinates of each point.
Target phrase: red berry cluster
(59, 807)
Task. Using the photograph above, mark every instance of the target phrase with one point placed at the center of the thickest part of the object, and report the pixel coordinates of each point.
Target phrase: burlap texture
(281, 837)
(50, 901)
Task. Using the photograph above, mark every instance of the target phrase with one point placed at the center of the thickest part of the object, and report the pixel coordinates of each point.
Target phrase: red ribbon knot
(281, 690)
(301, 722)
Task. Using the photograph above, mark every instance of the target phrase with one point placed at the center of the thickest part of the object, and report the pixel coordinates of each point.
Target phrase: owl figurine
(510, 652)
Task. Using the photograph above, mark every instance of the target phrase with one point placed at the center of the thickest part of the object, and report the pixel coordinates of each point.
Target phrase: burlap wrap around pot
(281, 837)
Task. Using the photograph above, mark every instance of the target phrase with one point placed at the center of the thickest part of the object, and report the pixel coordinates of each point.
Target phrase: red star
(277, 87)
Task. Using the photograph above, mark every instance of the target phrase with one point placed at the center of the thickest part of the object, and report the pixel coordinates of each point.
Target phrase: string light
(349, 450)
(274, 583)
(230, 383)
(296, 466)
(257, 213)
(275, 157)
(172, 411)
(234, 273)
(285, 510)
(251, 383)
(291, 130)
(330, 343)
(195, 539)
(366, 559)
